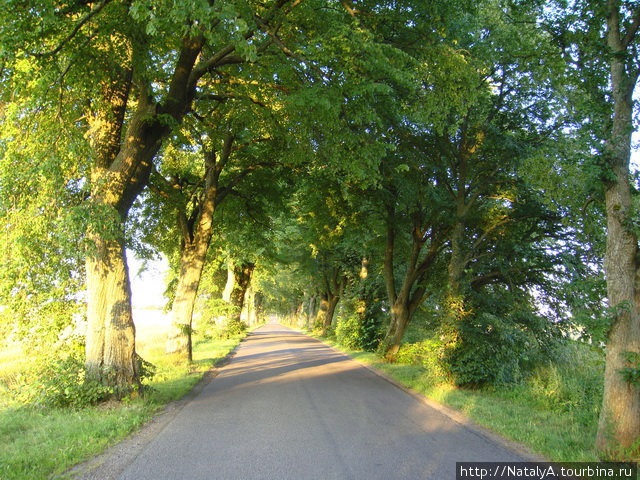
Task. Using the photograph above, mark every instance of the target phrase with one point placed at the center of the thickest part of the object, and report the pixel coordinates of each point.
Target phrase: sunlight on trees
(473, 158)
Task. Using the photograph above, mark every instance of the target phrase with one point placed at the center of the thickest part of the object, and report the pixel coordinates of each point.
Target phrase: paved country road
(289, 407)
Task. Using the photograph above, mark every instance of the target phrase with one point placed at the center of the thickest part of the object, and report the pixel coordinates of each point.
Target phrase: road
(289, 407)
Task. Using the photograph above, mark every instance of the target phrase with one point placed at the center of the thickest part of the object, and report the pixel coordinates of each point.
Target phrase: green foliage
(39, 442)
(571, 383)
(348, 332)
(631, 373)
(488, 349)
(235, 328)
(427, 353)
(360, 330)
(60, 382)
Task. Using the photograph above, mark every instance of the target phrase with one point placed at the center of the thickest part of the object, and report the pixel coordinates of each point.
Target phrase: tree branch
(75, 30)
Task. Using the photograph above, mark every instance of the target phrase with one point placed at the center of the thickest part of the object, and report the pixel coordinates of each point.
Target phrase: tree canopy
(466, 164)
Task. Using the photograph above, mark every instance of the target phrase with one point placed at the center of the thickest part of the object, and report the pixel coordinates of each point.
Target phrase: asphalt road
(289, 407)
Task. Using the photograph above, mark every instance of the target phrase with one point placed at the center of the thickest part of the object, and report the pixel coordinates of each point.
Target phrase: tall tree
(136, 68)
(600, 44)
(619, 425)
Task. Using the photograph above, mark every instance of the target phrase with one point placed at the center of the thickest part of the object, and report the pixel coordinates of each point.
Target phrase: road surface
(289, 407)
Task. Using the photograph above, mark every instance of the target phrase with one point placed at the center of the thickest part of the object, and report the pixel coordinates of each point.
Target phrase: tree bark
(400, 318)
(406, 300)
(196, 239)
(110, 339)
(619, 425)
(329, 313)
(242, 274)
(191, 265)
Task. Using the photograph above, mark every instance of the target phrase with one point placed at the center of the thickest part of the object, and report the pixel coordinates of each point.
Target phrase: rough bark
(405, 300)
(400, 318)
(334, 284)
(619, 425)
(331, 302)
(110, 339)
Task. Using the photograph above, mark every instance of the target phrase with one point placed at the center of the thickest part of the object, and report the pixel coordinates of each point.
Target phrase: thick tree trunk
(191, 265)
(196, 239)
(121, 171)
(249, 314)
(400, 318)
(405, 301)
(330, 311)
(619, 426)
(242, 274)
(455, 301)
(110, 340)
(323, 306)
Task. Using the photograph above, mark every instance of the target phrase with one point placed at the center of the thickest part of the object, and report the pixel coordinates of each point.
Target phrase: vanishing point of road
(289, 407)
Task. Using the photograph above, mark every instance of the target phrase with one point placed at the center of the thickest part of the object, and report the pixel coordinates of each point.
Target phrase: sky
(147, 283)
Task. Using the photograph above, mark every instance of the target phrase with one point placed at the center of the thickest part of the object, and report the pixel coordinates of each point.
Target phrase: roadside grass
(41, 443)
(554, 412)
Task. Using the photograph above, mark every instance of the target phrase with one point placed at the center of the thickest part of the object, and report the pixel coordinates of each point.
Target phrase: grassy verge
(39, 443)
(554, 413)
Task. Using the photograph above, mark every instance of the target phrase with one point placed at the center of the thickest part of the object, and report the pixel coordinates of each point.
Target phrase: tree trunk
(242, 274)
(329, 313)
(123, 164)
(249, 314)
(405, 301)
(110, 340)
(455, 301)
(619, 425)
(115, 183)
(400, 317)
(323, 306)
(196, 238)
(191, 265)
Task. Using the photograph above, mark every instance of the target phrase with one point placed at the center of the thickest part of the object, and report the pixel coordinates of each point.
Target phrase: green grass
(40, 443)
(554, 412)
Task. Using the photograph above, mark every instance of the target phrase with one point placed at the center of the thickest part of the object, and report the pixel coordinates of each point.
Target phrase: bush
(348, 332)
(60, 382)
(361, 329)
(488, 350)
(234, 328)
(427, 353)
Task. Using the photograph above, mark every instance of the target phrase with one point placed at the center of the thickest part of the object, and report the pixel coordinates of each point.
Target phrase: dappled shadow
(280, 356)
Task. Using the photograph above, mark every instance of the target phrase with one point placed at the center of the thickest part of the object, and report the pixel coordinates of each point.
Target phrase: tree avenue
(372, 168)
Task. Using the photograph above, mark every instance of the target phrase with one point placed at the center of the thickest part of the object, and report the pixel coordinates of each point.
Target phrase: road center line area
(289, 407)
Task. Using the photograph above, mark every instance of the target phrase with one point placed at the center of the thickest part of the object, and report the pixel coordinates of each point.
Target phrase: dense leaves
(367, 164)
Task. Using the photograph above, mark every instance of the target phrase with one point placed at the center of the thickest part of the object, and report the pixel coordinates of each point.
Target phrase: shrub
(573, 383)
(64, 383)
(360, 329)
(235, 327)
(348, 332)
(488, 350)
(59, 382)
(427, 353)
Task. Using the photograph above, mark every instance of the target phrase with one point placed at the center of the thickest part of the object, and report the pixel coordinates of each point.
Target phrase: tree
(195, 212)
(135, 71)
(599, 41)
